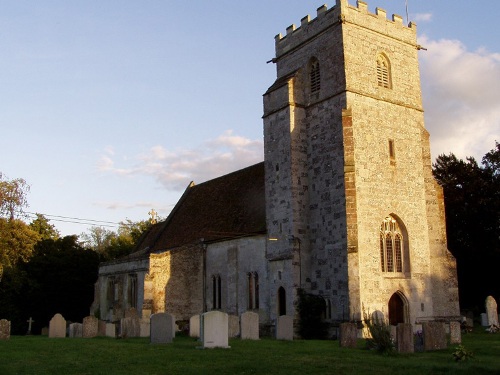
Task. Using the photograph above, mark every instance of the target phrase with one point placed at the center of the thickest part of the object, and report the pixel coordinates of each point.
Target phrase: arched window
(281, 301)
(132, 290)
(392, 247)
(383, 72)
(314, 76)
(253, 290)
(216, 292)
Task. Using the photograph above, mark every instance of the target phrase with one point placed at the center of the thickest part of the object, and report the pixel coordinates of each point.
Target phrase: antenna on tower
(407, 18)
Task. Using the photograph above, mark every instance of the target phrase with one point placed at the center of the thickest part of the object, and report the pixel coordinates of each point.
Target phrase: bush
(380, 331)
(311, 309)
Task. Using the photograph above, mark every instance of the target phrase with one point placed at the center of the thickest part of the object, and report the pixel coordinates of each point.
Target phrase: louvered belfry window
(315, 77)
(383, 72)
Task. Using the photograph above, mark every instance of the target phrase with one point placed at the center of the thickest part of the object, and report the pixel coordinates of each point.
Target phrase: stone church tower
(353, 212)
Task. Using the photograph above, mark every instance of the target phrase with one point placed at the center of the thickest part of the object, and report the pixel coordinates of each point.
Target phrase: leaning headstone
(75, 330)
(484, 320)
(130, 327)
(4, 329)
(57, 326)
(234, 326)
(110, 330)
(491, 311)
(214, 330)
(404, 334)
(250, 326)
(90, 326)
(284, 327)
(455, 333)
(348, 335)
(434, 336)
(194, 326)
(162, 328)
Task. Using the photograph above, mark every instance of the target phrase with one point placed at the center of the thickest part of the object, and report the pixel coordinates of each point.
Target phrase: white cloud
(423, 17)
(175, 169)
(461, 94)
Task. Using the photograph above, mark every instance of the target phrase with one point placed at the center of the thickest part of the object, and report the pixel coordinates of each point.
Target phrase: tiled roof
(226, 207)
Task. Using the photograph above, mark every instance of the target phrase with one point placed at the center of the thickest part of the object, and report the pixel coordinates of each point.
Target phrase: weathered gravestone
(404, 334)
(145, 327)
(57, 326)
(434, 336)
(90, 326)
(194, 326)
(348, 335)
(75, 330)
(162, 328)
(284, 327)
(4, 329)
(491, 311)
(110, 330)
(249, 326)
(131, 313)
(233, 326)
(101, 331)
(130, 327)
(214, 330)
(455, 333)
(484, 320)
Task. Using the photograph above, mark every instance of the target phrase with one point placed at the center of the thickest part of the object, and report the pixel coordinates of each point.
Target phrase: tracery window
(383, 72)
(314, 76)
(391, 246)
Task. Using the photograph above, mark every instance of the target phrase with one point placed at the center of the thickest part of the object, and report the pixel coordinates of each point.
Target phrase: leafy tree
(472, 205)
(12, 196)
(41, 226)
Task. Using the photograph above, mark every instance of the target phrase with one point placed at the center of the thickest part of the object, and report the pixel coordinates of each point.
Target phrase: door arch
(397, 309)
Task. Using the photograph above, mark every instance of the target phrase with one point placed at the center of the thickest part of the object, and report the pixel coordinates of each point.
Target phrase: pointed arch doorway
(397, 309)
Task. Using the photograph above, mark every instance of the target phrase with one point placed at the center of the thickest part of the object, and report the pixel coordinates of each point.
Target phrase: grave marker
(90, 326)
(75, 330)
(194, 326)
(249, 326)
(491, 311)
(57, 326)
(214, 330)
(284, 327)
(4, 329)
(348, 335)
(404, 334)
(434, 336)
(162, 328)
(455, 333)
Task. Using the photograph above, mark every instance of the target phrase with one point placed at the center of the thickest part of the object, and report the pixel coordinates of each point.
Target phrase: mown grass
(41, 355)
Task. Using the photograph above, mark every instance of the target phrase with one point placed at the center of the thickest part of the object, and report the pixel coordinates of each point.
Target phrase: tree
(472, 206)
(12, 196)
(41, 226)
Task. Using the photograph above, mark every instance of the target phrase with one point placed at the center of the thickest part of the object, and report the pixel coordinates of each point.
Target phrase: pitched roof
(226, 207)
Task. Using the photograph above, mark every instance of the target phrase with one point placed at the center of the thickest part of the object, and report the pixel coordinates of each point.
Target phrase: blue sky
(110, 108)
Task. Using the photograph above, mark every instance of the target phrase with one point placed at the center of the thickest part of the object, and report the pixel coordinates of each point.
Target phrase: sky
(109, 109)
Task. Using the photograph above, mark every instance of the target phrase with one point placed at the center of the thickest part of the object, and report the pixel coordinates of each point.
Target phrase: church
(344, 205)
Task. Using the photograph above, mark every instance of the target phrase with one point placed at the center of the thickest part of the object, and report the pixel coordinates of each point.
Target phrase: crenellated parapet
(343, 13)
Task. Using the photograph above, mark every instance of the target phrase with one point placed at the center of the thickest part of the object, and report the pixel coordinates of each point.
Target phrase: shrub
(380, 331)
(462, 354)
(311, 309)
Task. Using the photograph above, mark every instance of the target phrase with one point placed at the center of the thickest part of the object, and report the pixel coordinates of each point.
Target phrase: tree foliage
(41, 226)
(12, 196)
(472, 205)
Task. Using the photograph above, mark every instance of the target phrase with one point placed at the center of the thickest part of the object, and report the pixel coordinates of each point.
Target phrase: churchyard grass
(41, 355)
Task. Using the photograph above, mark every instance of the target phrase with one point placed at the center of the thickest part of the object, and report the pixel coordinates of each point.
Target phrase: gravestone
(75, 330)
(284, 327)
(455, 333)
(45, 331)
(30, 321)
(434, 336)
(4, 329)
(234, 326)
(101, 331)
(131, 313)
(214, 330)
(110, 330)
(348, 335)
(57, 326)
(194, 326)
(484, 320)
(90, 326)
(130, 327)
(145, 327)
(404, 334)
(491, 311)
(250, 326)
(162, 328)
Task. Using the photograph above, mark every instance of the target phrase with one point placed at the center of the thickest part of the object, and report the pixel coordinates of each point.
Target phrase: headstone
(434, 336)
(45, 331)
(130, 327)
(234, 326)
(491, 311)
(194, 326)
(57, 326)
(145, 327)
(131, 313)
(284, 327)
(214, 330)
(101, 330)
(484, 320)
(75, 330)
(348, 335)
(250, 326)
(162, 328)
(90, 326)
(110, 330)
(404, 334)
(455, 333)
(4, 329)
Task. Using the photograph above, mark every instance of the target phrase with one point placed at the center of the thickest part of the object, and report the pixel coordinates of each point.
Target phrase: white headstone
(194, 326)
(57, 326)
(284, 327)
(491, 311)
(233, 326)
(250, 326)
(162, 328)
(214, 330)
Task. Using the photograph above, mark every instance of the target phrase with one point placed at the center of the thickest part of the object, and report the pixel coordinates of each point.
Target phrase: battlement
(343, 13)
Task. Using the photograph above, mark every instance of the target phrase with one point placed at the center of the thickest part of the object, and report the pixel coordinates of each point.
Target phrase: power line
(73, 218)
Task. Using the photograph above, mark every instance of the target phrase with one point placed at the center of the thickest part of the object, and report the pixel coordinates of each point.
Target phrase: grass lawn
(41, 355)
